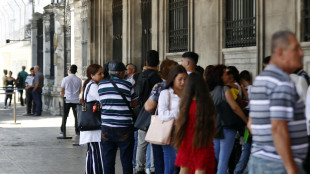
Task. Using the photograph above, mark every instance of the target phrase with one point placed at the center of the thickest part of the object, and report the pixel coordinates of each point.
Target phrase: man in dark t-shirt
(146, 80)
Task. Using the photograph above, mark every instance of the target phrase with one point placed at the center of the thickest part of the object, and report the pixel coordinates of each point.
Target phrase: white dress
(95, 135)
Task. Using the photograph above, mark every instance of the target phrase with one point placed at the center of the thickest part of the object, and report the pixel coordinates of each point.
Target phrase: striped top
(115, 112)
(274, 97)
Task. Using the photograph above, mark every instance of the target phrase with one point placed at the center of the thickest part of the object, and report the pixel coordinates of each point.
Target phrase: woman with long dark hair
(229, 115)
(92, 139)
(168, 108)
(195, 128)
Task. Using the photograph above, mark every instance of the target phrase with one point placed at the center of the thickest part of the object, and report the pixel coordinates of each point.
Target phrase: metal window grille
(240, 23)
(306, 15)
(146, 11)
(117, 29)
(178, 25)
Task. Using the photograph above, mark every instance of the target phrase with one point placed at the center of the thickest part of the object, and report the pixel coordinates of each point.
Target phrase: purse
(143, 120)
(89, 114)
(160, 131)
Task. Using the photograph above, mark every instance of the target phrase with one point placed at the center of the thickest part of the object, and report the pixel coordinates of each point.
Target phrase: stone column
(35, 22)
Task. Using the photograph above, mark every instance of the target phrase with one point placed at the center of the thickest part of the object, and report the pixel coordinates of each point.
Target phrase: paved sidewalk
(31, 146)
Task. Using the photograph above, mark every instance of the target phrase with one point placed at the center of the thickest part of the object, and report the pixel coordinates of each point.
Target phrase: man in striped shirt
(277, 118)
(117, 119)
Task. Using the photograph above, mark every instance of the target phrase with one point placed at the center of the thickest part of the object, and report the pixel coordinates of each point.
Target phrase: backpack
(19, 81)
(143, 89)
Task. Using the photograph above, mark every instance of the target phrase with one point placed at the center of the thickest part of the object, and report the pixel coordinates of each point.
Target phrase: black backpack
(143, 89)
(19, 81)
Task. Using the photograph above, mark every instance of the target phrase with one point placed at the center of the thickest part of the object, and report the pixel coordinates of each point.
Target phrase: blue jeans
(112, 138)
(135, 149)
(244, 158)
(37, 98)
(169, 159)
(148, 156)
(223, 148)
(158, 159)
(260, 165)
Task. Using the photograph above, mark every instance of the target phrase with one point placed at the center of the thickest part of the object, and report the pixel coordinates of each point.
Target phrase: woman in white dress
(92, 139)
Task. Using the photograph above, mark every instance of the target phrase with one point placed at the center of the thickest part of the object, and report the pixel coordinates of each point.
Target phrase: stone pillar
(84, 36)
(35, 24)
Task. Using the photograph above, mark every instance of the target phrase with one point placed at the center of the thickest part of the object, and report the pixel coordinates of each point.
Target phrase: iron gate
(146, 14)
(117, 29)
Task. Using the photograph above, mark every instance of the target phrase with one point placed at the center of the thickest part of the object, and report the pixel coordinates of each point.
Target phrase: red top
(187, 156)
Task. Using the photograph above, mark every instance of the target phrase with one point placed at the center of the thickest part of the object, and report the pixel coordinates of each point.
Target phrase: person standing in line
(143, 87)
(70, 90)
(195, 128)
(38, 83)
(29, 98)
(168, 108)
(5, 73)
(131, 69)
(189, 61)
(94, 162)
(10, 82)
(117, 119)
(21, 79)
(277, 115)
(227, 109)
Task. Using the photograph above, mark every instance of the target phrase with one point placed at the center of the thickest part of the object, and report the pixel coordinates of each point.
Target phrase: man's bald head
(36, 69)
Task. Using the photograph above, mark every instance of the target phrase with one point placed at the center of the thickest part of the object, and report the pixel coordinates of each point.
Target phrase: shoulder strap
(120, 92)
(87, 90)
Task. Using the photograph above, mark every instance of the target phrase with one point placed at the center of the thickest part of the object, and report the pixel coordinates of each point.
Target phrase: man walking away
(277, 117)
(29, 98)
(146, 81)
(20, 83)
(117, 119)
(189, 61)
(70, 90)
(38, 83)
(5, 74)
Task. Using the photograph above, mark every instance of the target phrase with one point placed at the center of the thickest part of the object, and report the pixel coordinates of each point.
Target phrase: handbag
(89, 114)
(143, 120)
(160, 131)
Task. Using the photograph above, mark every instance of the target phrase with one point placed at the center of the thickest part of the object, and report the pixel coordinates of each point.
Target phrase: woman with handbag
(195, 128)
(229, 115)
(92, 138)
(168, 108)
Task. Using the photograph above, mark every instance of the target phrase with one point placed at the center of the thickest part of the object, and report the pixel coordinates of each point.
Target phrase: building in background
(232, 32)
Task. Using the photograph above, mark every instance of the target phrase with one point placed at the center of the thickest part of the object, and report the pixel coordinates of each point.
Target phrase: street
(31, 146)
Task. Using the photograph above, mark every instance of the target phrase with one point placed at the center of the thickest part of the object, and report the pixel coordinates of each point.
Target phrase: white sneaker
(61, 134)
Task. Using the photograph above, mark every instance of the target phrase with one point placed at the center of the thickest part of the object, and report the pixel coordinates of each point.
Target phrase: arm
(234, 106)
(249, 124)
(35, 87)
(63, 92)
(163, 107)
(281, 139)
(150, 105)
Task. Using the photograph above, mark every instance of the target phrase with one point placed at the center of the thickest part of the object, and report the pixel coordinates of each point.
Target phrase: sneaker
(61, 134)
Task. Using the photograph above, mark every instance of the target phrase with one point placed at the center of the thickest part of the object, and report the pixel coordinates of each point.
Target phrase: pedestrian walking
(195, 128)
(151, 104)
(117, 97)
(20, 84)
(29, 98)
(70, 90)
(9, 88)
(168, 108)
(94, 162)
(229, 117)
(277, 117)
(5, 73)
(143, 87)
(38, 83)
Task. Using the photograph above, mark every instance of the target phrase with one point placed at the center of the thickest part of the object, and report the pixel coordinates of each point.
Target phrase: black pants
(21, 91)
(31, 106)
(8, 96)
(67, 110)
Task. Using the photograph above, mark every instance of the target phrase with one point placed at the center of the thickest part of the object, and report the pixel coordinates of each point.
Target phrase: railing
(240, 23)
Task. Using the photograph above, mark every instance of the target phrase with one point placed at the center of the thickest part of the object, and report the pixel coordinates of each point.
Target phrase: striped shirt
(274, 97)
(115, 112)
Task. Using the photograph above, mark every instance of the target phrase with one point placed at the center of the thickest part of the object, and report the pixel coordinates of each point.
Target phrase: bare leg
(185, 170)
(200, 171)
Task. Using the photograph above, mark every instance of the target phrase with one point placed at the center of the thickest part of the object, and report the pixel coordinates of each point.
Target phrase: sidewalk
(31, 146)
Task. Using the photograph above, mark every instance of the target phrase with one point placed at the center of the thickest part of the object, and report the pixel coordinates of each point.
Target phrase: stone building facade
(232, 32)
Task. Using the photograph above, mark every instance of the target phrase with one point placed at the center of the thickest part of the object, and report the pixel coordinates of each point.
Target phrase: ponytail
(91, 70)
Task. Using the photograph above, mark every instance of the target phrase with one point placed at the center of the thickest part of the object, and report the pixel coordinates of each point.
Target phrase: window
(117, 29)
(178, 25)
(240, 23)
(306, 16)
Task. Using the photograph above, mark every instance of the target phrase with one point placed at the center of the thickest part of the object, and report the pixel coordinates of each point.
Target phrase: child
(195, 128)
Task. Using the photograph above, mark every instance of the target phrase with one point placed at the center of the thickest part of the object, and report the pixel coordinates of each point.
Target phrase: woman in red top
(195, 128)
